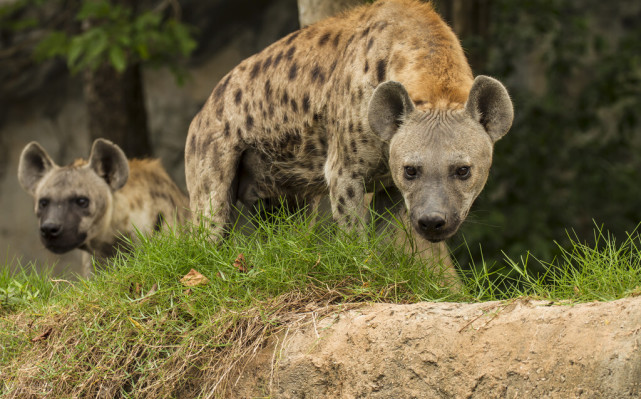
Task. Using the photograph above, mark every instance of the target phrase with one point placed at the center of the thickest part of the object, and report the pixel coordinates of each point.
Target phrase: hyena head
(73, 203)
(440, 159)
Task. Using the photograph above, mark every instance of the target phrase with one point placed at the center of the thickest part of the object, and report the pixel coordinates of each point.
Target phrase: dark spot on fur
(317, 117)
(294, 105)
(353, 144)
(340, 209)
(239, 133)
(238, 96)
(285, 118)
(323, 39)
(270, 110)
(306, 104)
(361, 161)
(380, 70)
(341, 200)
(290, 53)
(292, 37)
(267, 63)
(351, 39)
(350, 192)
(246, 106)
(337, 39)
(355, 175)
(279, 56)
(220, 109)
(249, 122)
(370, 43)
(226, 131)
(285, 99)
(221, 87)
(317, 75)
(268, 90)
(293, 71)
(340, 171)
(255, 70)
(351, 127)
(360, 93)
(366, 68)
(365, 32)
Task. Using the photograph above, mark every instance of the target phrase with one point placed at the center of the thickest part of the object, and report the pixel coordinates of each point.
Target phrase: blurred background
(137, 72)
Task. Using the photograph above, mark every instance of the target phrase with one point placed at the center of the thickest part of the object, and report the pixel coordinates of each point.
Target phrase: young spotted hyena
(91, 205)
(379, 97)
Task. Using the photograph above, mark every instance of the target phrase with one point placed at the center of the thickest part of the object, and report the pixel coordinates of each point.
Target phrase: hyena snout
(435, 226)
(433, 222)
(49, 230)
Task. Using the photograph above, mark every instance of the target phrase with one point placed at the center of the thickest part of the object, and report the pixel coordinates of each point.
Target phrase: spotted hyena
(381, 96)
(91, 204)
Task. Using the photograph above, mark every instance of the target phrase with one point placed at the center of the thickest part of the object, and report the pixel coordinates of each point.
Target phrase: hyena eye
(410, 172)
(42, 203)
(82, 202)
(463, 172)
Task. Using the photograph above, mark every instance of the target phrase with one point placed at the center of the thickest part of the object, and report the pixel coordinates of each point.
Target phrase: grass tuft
(137, 330)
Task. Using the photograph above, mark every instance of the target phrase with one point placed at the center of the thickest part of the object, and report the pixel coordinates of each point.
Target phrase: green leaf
(55, 44)
(76, 48)
(118, 58)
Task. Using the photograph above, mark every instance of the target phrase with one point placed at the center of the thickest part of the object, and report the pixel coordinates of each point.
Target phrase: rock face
(514, 349)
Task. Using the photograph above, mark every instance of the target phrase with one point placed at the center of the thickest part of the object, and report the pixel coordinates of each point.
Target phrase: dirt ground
(513, 349)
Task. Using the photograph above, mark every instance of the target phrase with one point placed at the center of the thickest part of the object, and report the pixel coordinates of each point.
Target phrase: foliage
(113, 33)
(573, 70)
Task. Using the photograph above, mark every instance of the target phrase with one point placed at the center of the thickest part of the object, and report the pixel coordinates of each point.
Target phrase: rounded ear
(109, 162)
(34, 164)
(389, 103)
(490, 105)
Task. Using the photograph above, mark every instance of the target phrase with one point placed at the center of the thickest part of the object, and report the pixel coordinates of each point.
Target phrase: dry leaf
(193, 278)
(187, 292)
(241, 264)
(43, 336)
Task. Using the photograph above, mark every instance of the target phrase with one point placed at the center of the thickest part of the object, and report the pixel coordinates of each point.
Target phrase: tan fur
(342, 107)
(121, 196)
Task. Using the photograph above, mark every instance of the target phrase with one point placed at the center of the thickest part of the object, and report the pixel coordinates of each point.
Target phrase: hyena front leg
(346, 193)
(211, 160)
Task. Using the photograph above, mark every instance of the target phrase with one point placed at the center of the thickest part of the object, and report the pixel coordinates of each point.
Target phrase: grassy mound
(180, 317)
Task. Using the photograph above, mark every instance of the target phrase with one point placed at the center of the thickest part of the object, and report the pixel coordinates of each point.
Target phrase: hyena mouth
(61, 245)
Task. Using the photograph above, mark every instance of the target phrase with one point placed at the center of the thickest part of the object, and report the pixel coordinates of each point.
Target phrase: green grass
(135, 330)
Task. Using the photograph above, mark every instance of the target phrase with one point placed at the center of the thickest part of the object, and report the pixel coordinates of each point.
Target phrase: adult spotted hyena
(91, 204)
(381, 96)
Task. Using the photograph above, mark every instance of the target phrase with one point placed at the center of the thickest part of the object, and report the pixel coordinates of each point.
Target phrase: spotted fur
(344, 107)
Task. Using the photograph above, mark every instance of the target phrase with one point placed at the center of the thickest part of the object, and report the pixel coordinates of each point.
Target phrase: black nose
(50, 230)
(431, 222)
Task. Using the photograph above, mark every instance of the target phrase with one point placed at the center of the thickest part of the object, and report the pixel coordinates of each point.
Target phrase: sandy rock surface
(512, 349)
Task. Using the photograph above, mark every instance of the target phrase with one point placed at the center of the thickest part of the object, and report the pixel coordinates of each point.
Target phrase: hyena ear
(110, 163)
(490, 105)
(34, 164)
(389, 103)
